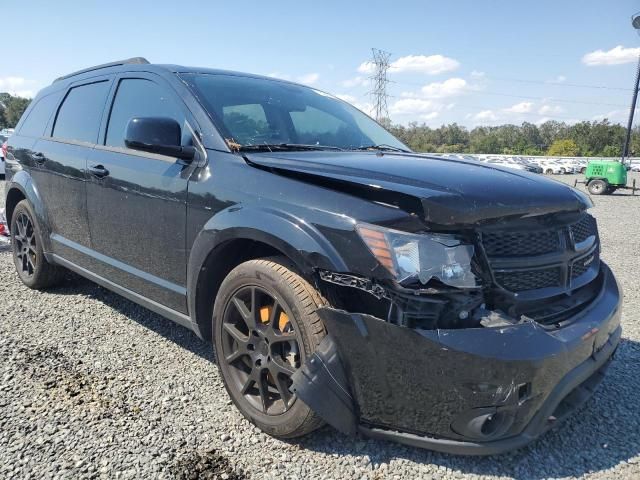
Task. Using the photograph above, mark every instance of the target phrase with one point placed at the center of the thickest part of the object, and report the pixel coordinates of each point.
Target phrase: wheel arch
(237, 235)
(22, 188)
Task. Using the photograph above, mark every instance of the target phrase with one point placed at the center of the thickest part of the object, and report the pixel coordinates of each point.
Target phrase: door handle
(39, 157)
(98, 171)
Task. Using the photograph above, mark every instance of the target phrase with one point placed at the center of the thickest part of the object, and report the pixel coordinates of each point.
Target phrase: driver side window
(137, 97)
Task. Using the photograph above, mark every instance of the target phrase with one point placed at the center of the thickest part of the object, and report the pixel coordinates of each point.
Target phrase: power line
(526, 97)
(379, 78)
(558, 84)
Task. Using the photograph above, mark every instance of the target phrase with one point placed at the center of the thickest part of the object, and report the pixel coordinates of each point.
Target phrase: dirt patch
(205, 465)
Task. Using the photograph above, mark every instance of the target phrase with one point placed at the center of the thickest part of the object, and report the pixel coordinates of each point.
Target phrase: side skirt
(156, 307)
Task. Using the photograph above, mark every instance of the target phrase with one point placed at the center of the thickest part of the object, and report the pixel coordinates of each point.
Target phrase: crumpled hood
(442, 191)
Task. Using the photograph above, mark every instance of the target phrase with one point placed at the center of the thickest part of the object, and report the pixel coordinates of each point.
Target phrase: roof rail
(128, 61)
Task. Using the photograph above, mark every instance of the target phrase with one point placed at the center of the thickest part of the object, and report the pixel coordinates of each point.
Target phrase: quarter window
(137, 97)
(39, 116)
(80, 114)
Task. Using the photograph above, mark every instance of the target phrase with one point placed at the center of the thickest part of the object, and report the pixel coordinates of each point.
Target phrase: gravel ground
(93, 386)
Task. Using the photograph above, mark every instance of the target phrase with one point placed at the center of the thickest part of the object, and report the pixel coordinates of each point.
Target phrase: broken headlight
(421, 257)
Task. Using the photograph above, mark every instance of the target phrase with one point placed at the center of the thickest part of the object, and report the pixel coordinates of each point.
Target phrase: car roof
(142, 64)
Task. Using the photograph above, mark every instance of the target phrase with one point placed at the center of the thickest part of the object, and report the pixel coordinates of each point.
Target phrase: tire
(583, 170)
(26, 245)
(250, 356)
(549, 171)
(562, 171)
(598, 187)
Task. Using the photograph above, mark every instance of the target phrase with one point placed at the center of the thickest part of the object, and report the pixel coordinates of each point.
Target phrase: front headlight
(421, 257)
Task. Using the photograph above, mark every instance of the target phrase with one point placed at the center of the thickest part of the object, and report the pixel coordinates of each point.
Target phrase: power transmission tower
(380, 61)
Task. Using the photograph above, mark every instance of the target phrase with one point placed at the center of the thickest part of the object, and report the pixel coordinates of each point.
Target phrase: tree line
(11, 109)
(596, 138)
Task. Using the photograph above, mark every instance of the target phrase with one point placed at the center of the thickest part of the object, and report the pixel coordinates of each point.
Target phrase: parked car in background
(3, 146)
(341, 277)
(551, 167)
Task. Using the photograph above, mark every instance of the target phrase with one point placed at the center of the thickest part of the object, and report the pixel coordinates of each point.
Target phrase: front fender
(300, 241)
(21, 181)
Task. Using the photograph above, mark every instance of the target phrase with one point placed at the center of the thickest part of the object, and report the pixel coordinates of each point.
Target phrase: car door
(58, 165)
(136, 201)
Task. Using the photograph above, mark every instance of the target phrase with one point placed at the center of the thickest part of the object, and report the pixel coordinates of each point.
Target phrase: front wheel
(597, 187)
(265, 326)
(549, 171)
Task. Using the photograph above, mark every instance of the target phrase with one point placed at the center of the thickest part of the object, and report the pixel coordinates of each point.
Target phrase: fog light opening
(483, 423)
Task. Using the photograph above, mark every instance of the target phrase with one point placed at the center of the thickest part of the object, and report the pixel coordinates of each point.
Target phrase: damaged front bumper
(467, 391)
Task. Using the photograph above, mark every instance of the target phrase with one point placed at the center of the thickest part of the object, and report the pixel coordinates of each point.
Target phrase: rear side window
(38, 117)
(80, 114)
(137, 97)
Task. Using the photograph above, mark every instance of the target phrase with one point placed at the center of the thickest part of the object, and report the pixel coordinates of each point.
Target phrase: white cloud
(448, 88)
(485, 115)
(367, 67)
(616, 56)
(16, 86)
(24, 93)
(560, 79)
(347, 98)
(477, 74)
(354, 82)
(281, 76)
(430, 65)
(613, 115)
(410, 106)
(309, 78)
(522, 107)
(550, 109)
(429, 116)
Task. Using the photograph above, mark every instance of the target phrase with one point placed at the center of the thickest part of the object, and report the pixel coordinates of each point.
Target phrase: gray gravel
(93, 386)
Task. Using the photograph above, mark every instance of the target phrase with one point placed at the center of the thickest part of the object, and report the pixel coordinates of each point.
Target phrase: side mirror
(157, 135)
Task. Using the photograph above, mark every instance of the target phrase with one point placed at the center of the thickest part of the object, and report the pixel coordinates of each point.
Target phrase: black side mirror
(157, 135)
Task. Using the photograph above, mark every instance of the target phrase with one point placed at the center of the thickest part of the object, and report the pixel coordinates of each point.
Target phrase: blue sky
(471, 62)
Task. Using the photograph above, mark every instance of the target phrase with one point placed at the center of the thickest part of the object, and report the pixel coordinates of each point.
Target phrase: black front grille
(541, 253)
(517, 244)
(520, 281)
(584, 229)
(580, 266)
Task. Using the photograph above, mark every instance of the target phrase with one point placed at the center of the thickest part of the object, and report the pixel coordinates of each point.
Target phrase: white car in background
(550, 167)
(3, 139)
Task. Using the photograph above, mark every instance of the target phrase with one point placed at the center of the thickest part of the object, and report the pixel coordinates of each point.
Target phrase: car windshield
(254, 113)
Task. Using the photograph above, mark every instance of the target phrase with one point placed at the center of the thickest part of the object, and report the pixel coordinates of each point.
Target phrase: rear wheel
(597, 187)
(265, 326)
(549, 171)
(26, 239)
(583, 170)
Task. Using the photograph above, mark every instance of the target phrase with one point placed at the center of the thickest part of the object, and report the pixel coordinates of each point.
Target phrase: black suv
(340, 277)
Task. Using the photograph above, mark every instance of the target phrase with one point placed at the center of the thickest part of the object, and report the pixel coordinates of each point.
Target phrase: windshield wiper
(287, 146)
(382, 147)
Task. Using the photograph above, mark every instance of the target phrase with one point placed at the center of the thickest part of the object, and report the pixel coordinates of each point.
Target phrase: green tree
(563, 148)
(611, 151)
(15, 107)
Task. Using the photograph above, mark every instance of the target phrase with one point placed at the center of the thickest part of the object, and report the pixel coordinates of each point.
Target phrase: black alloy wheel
(24, 246)
(261, 347)
(265, 325)
(33, 268)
